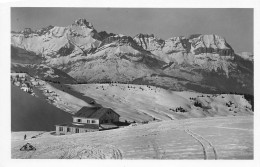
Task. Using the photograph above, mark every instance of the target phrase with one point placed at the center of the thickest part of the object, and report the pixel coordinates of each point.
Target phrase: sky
(234, 24)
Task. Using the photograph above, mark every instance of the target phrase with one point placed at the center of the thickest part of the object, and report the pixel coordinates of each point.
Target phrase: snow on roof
(92, 112)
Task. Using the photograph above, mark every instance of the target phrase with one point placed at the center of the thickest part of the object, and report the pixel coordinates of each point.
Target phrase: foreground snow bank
(231, 137)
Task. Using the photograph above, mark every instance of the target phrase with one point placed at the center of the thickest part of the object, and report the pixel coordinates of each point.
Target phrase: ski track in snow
(206, 145)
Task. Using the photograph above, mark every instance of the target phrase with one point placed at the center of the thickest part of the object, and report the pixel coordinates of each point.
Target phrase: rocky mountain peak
(148, 41)
(144, 36)
(210, 40)
(44, 30)
(27, 30)
(119, 39)
(193, 36)
(83, 22)
(104, 34)
(209, 44)
(77, 47)
(246, 56)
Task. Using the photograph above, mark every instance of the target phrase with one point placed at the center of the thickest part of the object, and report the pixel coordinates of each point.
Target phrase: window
(60, 129)
(88, 121)
(78, 120)
(68, 129)
(93, 121)
(77, 130)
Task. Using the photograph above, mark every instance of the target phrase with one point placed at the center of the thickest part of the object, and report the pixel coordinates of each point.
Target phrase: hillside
(139, 103)
(146, 103)
(50, 91)
(207, 138)
(29, 113)
(42, 72)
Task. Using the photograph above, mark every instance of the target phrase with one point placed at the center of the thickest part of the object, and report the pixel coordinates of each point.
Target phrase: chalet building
(89, 119)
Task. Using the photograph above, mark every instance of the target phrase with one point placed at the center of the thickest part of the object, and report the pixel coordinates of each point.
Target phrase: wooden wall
(84, 120)
(110, 117)
(73, 130)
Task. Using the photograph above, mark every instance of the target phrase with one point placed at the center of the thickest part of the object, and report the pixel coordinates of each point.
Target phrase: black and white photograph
(131, 83)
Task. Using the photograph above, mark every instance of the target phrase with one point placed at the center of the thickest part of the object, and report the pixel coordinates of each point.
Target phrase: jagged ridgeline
(202, 63)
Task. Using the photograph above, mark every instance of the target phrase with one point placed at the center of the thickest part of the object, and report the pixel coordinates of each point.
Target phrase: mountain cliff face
(204, 63)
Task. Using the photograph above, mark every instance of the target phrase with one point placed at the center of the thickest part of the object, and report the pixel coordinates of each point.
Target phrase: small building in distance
(26, 89)
(90, 119)
(19, 75)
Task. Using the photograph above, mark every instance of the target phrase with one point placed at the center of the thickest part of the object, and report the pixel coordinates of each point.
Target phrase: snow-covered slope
(43, 72)
(49, 92)
(29, 113)
(246, 56)
(60, 97)
(208, 138)
(178, 63)
(144, 103)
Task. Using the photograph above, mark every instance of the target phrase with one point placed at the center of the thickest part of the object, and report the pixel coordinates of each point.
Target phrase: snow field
(159, 140)
(61, 99)
(145, 103)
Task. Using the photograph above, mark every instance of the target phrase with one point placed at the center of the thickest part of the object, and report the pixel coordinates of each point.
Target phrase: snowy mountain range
(202, 63)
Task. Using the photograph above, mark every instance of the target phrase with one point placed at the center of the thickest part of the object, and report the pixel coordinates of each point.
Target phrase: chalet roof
(80, 125)
(92, 112)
